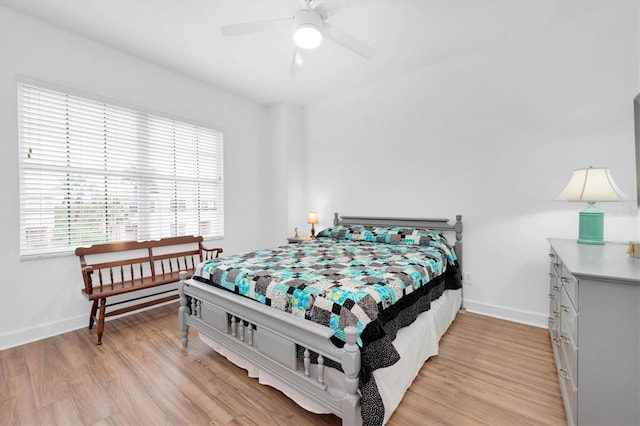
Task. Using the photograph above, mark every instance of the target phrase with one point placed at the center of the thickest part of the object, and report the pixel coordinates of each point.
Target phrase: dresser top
(608, 262)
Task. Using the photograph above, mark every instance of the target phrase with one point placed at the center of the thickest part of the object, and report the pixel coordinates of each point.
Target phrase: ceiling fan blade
(256, 27)
(297, 62)
(348, 41)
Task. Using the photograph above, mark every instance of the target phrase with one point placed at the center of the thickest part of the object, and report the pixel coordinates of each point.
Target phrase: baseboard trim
(510, 314)
(44, 331)
(24, 336)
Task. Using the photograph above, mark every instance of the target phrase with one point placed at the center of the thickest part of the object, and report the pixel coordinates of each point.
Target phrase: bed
(341, 324)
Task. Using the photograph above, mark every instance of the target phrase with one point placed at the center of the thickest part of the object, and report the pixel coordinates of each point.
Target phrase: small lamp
(313, 219)
(591, 185)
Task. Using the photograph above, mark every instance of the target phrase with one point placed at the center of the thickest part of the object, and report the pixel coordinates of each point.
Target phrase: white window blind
(91, 172)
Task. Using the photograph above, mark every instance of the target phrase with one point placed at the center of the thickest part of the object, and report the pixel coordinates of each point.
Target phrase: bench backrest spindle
(151, 262)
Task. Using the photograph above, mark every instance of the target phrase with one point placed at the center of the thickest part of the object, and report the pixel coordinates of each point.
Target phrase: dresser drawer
(568, 319)
(569, 397)
(554, 300)
(568, 359)
(570, 283)
(555, 265)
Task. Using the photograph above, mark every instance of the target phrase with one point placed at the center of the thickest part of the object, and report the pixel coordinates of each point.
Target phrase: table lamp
(313, 219)
(591, 185)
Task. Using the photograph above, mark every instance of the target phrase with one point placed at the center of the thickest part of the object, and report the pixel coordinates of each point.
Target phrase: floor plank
(488, 372)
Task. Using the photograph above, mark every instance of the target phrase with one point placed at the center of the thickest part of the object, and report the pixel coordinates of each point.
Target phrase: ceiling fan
(309, 27)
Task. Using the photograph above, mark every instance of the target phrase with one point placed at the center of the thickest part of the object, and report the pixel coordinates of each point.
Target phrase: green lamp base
(591, 226)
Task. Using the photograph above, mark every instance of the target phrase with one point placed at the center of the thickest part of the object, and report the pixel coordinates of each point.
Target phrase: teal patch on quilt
(300, 300)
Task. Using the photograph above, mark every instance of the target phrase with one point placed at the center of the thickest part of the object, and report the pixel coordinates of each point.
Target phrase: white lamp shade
(313, 218)
(591, 185)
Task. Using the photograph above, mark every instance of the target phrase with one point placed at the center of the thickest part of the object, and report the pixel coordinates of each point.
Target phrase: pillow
(429, 237)
(355, 233)
(340, 232)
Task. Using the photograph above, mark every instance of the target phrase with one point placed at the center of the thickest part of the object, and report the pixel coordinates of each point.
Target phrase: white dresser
(594, 326)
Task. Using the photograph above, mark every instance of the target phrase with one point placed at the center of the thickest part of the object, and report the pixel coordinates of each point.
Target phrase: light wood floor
(489, 372)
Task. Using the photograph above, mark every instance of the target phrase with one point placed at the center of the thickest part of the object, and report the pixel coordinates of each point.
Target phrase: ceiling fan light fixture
(307, 37)
(308, 24)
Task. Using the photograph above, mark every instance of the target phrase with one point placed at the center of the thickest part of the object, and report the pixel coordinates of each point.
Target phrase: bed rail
(271, 340)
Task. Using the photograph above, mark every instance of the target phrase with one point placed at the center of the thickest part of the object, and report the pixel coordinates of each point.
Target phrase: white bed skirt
(415, 344)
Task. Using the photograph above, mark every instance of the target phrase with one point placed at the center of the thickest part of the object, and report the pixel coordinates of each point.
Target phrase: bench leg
(92, 316)
(103, 303)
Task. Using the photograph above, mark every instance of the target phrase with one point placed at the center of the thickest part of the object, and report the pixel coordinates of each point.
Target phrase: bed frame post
(183, 311)
(351, 367)
(457, 227)
(458, 246)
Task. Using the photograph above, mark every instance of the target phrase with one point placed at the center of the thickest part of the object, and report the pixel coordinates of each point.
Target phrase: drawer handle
(555, 341)
(564, 280)
(552, 319)
(556, 288)
(552, 256)
(564, 308)
(557, 265)
(564, 373)
(564, 338)
(553, 296)
(556, 314)
(551, 274)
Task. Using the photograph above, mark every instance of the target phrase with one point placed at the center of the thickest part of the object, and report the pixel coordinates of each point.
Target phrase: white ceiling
(185, 36)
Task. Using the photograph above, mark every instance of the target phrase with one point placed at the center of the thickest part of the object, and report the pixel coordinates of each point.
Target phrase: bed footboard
(272, 340)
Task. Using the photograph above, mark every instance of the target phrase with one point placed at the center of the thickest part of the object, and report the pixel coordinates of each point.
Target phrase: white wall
(493, 135)
(297, 210)
(286, 202)
(42, 297)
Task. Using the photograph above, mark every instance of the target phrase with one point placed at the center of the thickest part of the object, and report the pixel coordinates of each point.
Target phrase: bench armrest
(210, 253)
(86, 276)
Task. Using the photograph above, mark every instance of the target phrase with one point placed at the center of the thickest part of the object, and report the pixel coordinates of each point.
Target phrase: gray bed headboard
(437, 224)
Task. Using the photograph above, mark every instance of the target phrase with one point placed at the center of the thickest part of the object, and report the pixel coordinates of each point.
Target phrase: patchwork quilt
(377, 279)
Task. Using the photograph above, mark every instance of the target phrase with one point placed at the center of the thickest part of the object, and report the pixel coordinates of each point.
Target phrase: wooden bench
(126, 267)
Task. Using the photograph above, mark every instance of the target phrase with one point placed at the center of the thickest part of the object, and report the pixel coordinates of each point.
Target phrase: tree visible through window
(91, 172)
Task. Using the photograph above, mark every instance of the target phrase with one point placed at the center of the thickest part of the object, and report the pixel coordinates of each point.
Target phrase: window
(91, 172)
